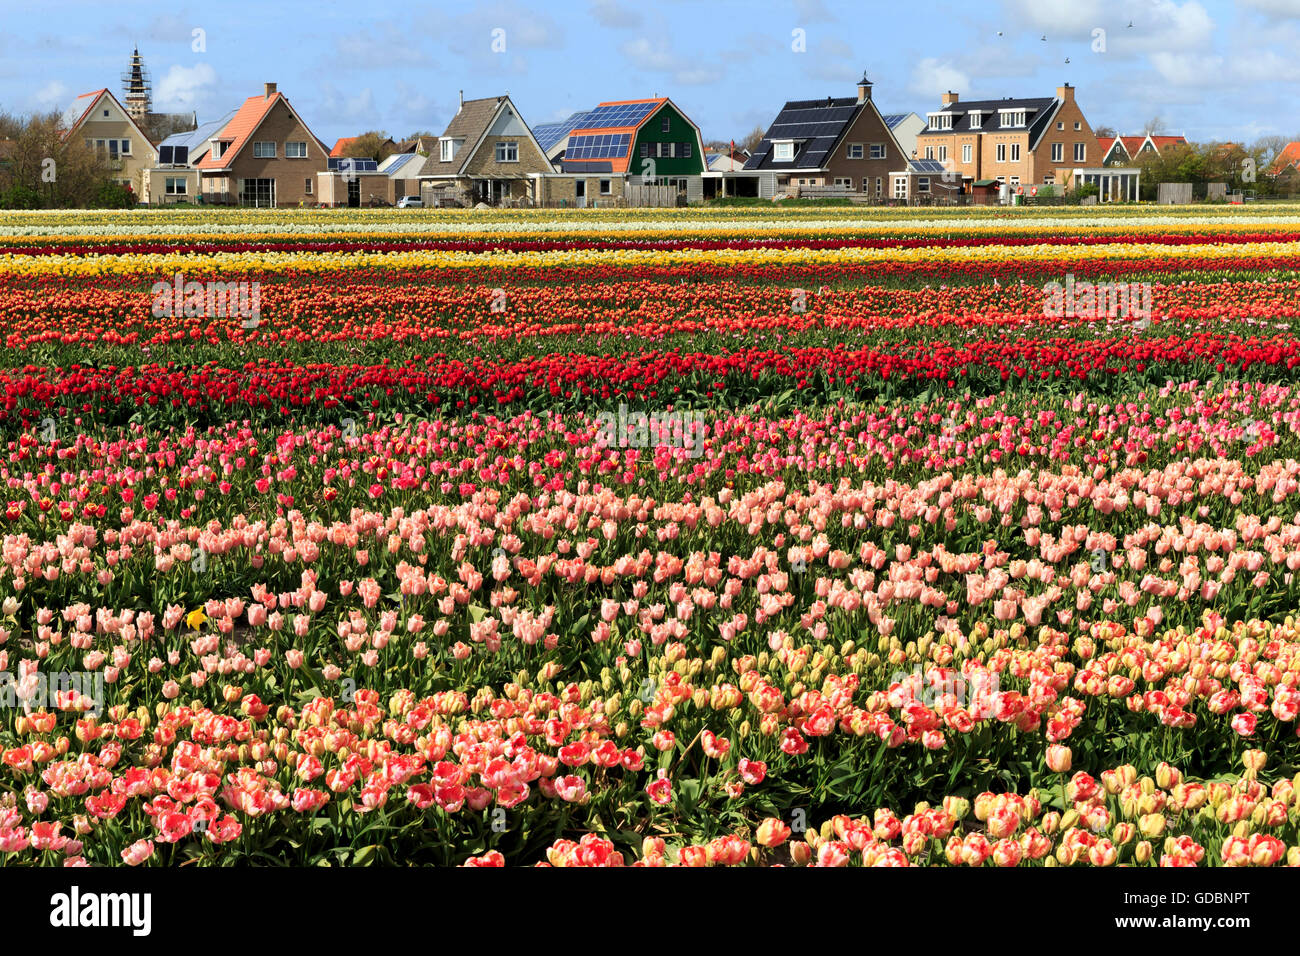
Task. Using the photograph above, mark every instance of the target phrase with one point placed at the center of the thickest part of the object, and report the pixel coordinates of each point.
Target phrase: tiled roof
(241, 127)
(1040, 111)
(1162, 141)
(1290, 156)
(469, 124)
(343, 143)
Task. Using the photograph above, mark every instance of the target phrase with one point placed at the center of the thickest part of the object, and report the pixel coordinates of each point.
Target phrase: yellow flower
(195, 618)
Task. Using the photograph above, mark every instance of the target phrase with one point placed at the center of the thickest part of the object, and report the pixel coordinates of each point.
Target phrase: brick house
(838, 141)
(1013, 141)
(265, 156)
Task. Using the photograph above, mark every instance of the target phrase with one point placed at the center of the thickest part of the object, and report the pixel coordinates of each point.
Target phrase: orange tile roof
(1162, 141)
(1105, 143)
(617, 164)
(343, 143)
(241, 127)
(1290, 156)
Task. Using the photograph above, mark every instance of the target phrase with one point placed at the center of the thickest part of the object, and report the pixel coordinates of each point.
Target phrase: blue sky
(1212, 69)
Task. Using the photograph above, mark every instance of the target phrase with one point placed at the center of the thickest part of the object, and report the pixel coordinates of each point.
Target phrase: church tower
(137, 93)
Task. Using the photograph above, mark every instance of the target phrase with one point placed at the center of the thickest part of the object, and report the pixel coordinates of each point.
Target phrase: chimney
(270, 90)
(462, 101)
(1065, 93)
(949, 98)
(864, 89)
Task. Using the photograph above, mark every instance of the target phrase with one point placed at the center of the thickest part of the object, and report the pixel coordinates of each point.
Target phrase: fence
(1173, 194)
(645, 196)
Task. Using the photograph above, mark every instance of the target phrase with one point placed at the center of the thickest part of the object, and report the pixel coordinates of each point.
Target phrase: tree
(373, 144)
(61, 172)
(1105, 131)
(750, 142)
(1153, 127)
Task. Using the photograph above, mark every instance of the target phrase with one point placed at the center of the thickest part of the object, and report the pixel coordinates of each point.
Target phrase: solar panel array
(618, 115)
(893, 119)
(355, 165)
(173, 155)
(548, 134)
(598, 146)
(817, 123)
(927, 166)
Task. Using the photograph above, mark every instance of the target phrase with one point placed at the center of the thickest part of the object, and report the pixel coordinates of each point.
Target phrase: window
(1000, 154)
(256, 192)
(940, 120)
(218, 147)
(866, 184)
(855, 151)
(1060, 126)
(1015, 152)
(923, 184)
(307, 186)
(295, 150)
(606, 187)
(645, 150)
(877, 150)
(1049, 180)
(966, 153)
(1080, 152)
(1058, 152)
(844, 181)
(666, 125)
(943, 153)
(1015, 180)
(1078, 125)
(447, 149)
(126, 147)
(262, 150)
(879, 186)
(783, 152)
(976, 119)
(112, 149)
(1012, 117)
(900, 188)
(176, 186)
(105, 112)
(1002, 179)
(507, 152)
(929, 152)
(686, 150)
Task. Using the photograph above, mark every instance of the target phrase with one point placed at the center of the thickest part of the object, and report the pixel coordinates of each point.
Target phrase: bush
(19, 196)
(115, 196)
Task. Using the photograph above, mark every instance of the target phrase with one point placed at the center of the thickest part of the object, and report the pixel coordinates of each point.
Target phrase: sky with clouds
(1212, 69)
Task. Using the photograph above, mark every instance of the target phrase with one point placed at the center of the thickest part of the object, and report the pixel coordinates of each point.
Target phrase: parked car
(410, 202)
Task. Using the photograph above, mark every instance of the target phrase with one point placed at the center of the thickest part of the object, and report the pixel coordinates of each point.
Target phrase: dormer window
(976, 119)
(1012, 117)
(447, 148)
(940, 120)
(783, 151)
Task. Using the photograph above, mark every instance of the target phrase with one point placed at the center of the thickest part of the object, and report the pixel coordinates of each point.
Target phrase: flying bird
(1067, 59)
(1044, 37)
(1130, 24)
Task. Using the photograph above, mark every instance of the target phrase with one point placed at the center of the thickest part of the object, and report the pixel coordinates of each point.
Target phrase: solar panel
(353, 165)
(598, 146)
(548, 134)
(165, 155)
(619, 114)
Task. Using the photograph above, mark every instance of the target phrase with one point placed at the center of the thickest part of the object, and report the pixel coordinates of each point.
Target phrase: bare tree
(750, 142)
(1154, 126)
(1105, 131)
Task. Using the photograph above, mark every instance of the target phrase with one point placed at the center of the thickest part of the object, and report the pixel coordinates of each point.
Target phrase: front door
(354, 192)
(580, 193)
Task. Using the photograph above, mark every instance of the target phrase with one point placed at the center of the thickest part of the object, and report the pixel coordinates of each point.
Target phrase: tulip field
(750, 537)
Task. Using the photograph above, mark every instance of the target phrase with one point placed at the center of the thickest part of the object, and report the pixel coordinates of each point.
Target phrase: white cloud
(931, 78)
(184, 88)
(657, 57)
(340, 107)
(1188, 69)
(50, 95)
(811, 11)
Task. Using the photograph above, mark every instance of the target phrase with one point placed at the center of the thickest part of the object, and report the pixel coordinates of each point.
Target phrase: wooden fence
(645, 196)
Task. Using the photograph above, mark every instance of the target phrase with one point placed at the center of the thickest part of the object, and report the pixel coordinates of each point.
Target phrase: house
(838, 141)
(1121, 150)
(424, 145)
(905, 127)
(726, 160)
(1287, 159)
(175, 177)
(645, 142)
(1013, 140)
(351, 182)
(554, 137)
(344, 143)
(111, 131)
(487, 154)
(922, 179)
(264, 156)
